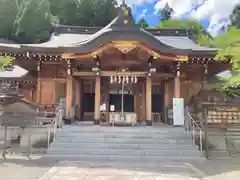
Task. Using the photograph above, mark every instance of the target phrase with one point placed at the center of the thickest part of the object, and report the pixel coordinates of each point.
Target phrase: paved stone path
(16, 168)
(84, 171)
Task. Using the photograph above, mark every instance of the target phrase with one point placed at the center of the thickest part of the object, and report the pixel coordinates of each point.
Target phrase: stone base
(96, 121)
(149, 122)
(68, 120)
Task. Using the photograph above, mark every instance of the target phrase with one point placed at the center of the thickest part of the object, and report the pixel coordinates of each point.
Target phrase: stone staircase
(123, 144)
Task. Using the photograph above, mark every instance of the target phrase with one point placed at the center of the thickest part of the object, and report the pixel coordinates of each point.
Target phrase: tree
(229, 45)
(166, 12)
(5, 63)
(200, 32)
(84, 12)
(8, 12)
(143, 23)
(235, 16)
(65, 11)
(33, 21)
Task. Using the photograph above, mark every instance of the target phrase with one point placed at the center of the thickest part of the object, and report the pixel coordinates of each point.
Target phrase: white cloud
(180, 6)
(131, 3)
(217, 11)
(143, 14)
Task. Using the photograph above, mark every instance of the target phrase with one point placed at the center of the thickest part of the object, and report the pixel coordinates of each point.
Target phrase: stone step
(123, 140)
(123, 158)
(121, 146)
(123, 135)
(108, 129)
(129, 152)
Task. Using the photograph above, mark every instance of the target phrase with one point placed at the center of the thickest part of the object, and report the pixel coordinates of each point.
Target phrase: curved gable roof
(83, 40)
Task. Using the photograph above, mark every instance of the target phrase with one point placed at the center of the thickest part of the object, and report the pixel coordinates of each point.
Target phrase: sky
(213, 14)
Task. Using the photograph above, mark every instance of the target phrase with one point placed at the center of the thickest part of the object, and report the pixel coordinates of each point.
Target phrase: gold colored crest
(126, 12)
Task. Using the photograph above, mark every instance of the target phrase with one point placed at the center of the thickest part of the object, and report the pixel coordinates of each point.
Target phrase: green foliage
(166, 13)
(229, 45)
(143, 23)
(230, 86)
(5, 63)
(235, 16)
(8, 12)
(33, 21)
(84, 12)
(29, 21)
(202, 36)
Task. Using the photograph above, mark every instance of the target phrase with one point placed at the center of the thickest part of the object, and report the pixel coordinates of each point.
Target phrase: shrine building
(120, 71)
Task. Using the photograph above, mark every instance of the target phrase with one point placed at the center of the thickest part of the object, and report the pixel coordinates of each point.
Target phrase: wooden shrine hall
(119, 73)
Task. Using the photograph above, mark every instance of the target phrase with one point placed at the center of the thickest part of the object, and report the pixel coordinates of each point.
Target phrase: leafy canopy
(143, 23)
(29, 21)
(5, 63)
(229, 45)
(166, 12)
(235, 16)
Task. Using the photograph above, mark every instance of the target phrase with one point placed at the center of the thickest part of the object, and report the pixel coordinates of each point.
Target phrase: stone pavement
(16, 168)
(107, 171)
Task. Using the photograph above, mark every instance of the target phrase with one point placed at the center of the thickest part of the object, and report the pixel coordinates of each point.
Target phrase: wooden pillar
(177, 83)
(39, 82)
(68, 104)
(77, 92)
(177, 89)
(143, 101)
(77, 99)
(38, 93)
(97, 100)
(166, 100)
(107, 89)
(148, 101)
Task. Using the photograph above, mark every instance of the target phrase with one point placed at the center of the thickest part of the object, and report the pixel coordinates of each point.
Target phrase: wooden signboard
(223, 113)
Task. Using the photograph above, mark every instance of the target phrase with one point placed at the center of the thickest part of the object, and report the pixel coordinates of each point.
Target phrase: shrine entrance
(123, 99)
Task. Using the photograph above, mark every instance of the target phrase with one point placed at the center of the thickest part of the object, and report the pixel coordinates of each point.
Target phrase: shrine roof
(16, 73)
(85, 39)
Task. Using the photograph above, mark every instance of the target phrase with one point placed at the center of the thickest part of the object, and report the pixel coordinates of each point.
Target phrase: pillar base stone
(96, 121)
(149, 122)
(68, 120)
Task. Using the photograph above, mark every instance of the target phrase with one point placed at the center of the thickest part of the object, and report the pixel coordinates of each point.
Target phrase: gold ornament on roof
(125, 12)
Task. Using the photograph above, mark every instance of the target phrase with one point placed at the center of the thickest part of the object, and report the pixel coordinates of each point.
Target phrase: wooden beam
(114, 73)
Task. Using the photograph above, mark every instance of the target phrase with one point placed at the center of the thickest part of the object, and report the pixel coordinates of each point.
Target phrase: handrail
(55, 126)
(192, 127)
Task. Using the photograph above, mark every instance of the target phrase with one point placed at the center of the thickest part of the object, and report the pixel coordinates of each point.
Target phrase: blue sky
(213, 14)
